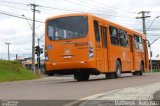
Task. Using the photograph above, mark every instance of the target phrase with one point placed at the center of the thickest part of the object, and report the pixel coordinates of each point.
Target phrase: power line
(83, 4)
(101, 9)
(91, 12)
(97, 5)
(67, 9)
(39, 5)
(79, 11)
(59, 8)
(76, 11)
(15, 7)
(152, 23)
(18, 16)
(113, 16)
(13, 2)
(55, 8)
(117, 9)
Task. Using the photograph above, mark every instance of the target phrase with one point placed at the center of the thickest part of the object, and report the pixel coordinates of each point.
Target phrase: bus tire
(118, 70)
(140, 72)
(110, 75)
(81, 76)
(50, 74)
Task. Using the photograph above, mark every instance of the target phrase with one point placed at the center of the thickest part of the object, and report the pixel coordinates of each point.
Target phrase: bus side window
(140, 43)
(123, 40)
(113, 35)
(50, 32)
(136, 42)
(130, 43)
(104, 36)
(96, 31)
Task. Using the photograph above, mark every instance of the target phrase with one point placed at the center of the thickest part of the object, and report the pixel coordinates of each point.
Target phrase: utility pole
(143, 19)
(7, 43)
(33, 35)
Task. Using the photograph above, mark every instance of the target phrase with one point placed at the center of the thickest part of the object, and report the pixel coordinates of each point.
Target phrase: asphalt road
(66, 88)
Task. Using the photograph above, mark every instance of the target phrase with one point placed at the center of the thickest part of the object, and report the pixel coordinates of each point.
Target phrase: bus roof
(100, 18)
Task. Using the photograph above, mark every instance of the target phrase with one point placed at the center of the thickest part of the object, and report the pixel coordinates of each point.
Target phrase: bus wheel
(140, 72)
(110, 75)
(50, 74)
(81, 76)
(118, 69)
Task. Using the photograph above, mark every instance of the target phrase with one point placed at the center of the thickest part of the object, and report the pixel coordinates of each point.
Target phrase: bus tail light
(46, 54)
(90, 50)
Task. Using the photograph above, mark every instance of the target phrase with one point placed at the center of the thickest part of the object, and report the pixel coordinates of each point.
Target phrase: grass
(156, 70)
(13, 71)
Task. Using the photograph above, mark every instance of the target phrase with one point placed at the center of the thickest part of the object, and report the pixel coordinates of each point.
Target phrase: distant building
(156, 64)
(28, 64)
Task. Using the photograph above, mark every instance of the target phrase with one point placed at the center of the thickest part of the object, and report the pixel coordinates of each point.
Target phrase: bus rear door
(104, 46)
(131, 52)
(101, 46)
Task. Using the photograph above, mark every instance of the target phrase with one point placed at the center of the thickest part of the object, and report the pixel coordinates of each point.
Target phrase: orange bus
(83, 44)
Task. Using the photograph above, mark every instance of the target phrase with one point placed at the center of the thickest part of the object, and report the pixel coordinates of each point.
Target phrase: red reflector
(90, 51)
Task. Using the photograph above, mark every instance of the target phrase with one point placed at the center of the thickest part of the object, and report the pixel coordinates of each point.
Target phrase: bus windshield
(67, 27)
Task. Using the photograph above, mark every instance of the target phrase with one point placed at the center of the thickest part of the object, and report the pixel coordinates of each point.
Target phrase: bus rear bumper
(53, 66)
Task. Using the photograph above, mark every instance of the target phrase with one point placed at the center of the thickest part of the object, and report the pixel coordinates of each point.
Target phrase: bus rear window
(67, 27)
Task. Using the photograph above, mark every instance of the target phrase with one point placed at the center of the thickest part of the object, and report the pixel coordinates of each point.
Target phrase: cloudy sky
(18, 32)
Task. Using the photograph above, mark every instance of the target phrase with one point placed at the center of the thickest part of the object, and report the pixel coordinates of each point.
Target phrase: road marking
(82, 99)
(96, 96)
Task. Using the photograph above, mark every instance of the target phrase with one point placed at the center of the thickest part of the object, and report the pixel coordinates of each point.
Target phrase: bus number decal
(81, 44)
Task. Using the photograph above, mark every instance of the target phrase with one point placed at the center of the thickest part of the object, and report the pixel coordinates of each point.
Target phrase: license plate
(67, 57)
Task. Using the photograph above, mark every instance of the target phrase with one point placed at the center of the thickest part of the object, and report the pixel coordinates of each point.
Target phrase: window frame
(53, 37)
(96, 31)
(114, 38)
(137, 42)
(103, 36)
(123, 41)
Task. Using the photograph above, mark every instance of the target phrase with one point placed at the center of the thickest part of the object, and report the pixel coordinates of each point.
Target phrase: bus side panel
(138, 55)
(91, 38)
(127, 55)
(102, 50)
(115, 52)
(97, 45)
(138, 58)
(121, 53)
(126, 59)
(131, 52)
